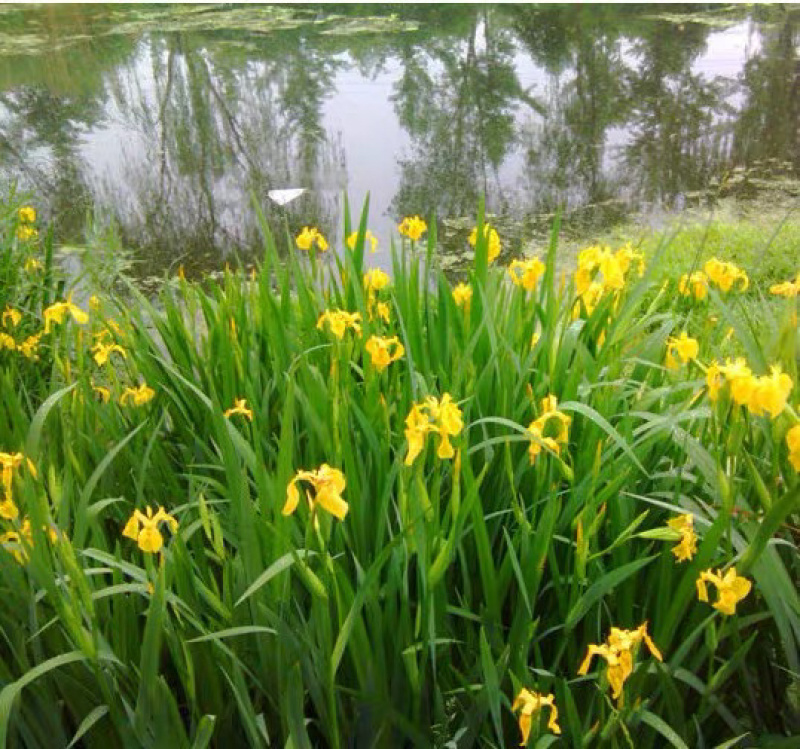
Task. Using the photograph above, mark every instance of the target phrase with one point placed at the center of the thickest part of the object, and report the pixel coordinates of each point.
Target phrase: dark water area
(169, 119)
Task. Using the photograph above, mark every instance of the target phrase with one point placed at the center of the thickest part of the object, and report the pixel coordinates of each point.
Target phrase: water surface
(171, 118)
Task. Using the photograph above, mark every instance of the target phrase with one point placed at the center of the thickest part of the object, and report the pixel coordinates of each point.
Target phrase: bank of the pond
(321, 504)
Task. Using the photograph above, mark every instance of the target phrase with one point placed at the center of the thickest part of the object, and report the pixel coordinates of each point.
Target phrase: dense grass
(451, 584)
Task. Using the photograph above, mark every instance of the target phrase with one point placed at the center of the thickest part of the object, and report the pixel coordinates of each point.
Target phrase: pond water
(170, 119)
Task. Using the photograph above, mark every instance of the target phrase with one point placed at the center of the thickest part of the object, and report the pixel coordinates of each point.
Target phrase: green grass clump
(451, 584)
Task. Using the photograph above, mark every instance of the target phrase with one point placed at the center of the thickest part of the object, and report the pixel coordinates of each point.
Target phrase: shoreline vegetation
(322, 504)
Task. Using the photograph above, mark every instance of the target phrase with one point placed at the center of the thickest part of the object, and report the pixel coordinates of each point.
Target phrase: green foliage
(451, 584)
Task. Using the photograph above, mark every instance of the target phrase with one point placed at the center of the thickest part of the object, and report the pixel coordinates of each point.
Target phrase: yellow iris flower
(442, 417)
(600, 270)
(55, 313)
(380, 349)
(137, 395)
(14, 316)
(143, 528)
(767, 394)
(715, 380)
(462, 295)
(27, 214)
(494, 241)
(770, 393)
(29, 347)
(685, 347)
(789, 289)
(375, 280)
(412, 227)
(687, 548)
(526, 273)
(239, 407)
(626, 256)
(328, 484)
(694, 284)
(10, 462)
(339, 321)
(11, 541)
(793, 443)
(529, 704)
(730, 589)
(26, 232)
(103, 392)
(102, 351)
(378, 309)
(725, 275)
(618, 653)
(538, 427)
(369, 238)
(310, 236)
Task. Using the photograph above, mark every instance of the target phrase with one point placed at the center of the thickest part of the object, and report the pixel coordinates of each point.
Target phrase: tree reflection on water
(171, 131)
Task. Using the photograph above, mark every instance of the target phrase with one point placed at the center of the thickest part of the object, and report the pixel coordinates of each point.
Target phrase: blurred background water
(168, 118)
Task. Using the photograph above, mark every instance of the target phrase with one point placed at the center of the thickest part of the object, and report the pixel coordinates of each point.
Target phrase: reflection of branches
(461, 120)
(229, 118)
(162, 118)
(768, 125)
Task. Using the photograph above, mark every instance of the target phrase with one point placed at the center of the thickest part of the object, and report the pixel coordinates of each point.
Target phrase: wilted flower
(328, 484)
(730, 589)
(145, 531)
(529, 704)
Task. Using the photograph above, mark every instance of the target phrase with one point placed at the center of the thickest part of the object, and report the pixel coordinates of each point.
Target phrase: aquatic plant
(415, 529)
